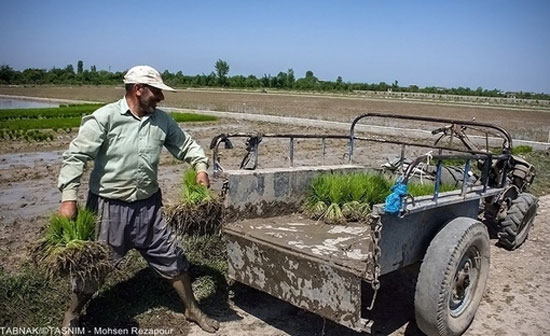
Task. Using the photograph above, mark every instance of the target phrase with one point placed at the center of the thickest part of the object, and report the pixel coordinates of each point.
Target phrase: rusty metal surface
(297, 278)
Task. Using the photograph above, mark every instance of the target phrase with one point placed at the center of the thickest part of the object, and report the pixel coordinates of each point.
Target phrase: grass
(541, 161)
(30, 297)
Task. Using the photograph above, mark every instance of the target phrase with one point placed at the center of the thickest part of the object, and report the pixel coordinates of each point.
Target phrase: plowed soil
(517, 298)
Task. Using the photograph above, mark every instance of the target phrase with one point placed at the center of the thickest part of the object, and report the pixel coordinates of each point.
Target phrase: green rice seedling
(522, 149)
(345, 196)
(453, 162)
(200, 213)
(336, 198)
(351, 212)
(319, 209)
(68, 247)
(49, 113)
(194, 193)
(191, 117)
(355, 211)
(356, 187)
(416, 189)
(334, 215)
(320, 189)
(338, 189)
(377, 188)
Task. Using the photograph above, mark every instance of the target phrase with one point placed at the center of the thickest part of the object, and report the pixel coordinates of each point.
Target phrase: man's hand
(68, 209)
(202, 178)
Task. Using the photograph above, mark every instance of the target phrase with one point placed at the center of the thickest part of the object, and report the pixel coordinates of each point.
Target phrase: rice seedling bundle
(199, 212)
(68, 248)
(337, 198)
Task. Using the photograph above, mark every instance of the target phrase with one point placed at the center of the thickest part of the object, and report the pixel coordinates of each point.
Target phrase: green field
(29, 124)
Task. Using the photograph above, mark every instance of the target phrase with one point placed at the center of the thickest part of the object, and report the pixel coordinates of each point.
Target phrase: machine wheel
(513, 230)
(452, 278)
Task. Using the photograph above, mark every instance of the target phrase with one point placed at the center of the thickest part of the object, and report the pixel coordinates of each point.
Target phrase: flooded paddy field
(517, 297)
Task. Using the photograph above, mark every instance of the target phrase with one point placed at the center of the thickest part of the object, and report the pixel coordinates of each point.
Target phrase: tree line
(220, 78)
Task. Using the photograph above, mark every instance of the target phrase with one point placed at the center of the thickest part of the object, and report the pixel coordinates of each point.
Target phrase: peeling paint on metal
(335, 241)
(357, 255)
(346, 229)
(270, 227)
(235, 253)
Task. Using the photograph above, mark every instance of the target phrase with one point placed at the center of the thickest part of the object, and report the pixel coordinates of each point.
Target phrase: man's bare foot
(206, 323)
(70, 320)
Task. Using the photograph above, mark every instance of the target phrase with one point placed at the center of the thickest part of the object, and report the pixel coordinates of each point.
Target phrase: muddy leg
(82, 291)
(78, 301)
(182, 285)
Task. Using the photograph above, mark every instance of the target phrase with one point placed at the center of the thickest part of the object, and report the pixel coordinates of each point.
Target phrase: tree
(281, 80)
(7, 74)
(308, 82)
(80, 67)
(69, 68)
(290, 79)
(395, 85)
(222, 69)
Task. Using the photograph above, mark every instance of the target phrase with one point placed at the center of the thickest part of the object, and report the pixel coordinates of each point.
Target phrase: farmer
(124, 139)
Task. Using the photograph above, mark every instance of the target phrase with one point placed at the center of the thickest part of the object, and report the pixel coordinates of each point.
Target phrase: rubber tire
(437, 274)
(511, 232)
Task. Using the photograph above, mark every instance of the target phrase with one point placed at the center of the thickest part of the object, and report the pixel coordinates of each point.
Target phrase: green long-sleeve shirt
(125, 151)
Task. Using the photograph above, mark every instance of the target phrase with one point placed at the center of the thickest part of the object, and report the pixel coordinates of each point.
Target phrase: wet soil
(517, 297)
(523, 123)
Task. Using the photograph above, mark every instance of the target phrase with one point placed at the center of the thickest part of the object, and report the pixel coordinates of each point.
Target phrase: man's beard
(148, 106)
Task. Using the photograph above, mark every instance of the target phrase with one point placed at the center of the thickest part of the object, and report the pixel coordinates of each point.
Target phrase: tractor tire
(452, 278)
(514, 229)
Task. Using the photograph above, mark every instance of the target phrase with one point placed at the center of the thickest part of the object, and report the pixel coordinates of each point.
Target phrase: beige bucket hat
(144, 74)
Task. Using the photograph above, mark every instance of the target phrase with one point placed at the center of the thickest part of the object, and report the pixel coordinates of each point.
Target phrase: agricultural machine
(324, 268)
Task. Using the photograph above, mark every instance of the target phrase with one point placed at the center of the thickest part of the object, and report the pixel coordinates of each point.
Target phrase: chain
(225, 187)
(376, 234)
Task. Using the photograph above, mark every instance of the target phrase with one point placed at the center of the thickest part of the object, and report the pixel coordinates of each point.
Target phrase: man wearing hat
(125, 139)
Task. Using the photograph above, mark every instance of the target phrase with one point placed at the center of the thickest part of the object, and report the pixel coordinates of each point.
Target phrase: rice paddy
(29, 124)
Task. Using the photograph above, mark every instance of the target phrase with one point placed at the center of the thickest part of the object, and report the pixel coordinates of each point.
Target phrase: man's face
(149, 97)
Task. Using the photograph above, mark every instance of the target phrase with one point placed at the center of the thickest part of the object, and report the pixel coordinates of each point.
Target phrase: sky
(493, 44)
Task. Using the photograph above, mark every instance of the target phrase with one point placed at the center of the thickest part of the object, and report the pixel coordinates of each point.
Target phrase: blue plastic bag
(395, 199)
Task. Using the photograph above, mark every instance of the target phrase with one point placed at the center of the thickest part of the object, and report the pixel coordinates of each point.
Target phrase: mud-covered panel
(405, 240)
(348, 246)
(317, 287)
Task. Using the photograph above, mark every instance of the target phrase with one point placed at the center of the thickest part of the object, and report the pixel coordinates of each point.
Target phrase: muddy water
(10, 103)
(33, 159)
